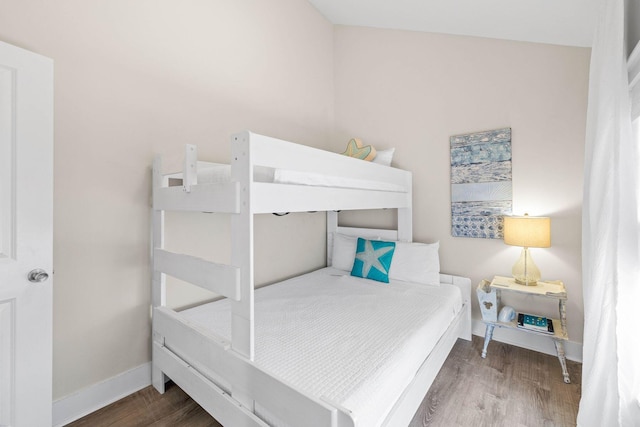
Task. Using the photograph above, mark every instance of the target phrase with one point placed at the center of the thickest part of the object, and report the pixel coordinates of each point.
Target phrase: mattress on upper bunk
(220, 173)
(353, 342)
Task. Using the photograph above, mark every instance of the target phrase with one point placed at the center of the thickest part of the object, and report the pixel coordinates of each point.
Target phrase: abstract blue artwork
(481, 191)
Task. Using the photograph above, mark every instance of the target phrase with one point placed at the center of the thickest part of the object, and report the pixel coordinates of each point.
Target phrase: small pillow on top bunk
(356, 149)
(373, 259)
(384, 157)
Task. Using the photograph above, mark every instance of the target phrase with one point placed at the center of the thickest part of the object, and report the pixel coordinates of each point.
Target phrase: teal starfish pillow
(373, 259)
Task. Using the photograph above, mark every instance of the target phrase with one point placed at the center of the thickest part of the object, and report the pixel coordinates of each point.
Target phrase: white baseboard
(539, 343)
(92, 398)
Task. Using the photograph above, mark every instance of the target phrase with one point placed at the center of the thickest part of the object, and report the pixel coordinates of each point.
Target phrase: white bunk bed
(268, 175)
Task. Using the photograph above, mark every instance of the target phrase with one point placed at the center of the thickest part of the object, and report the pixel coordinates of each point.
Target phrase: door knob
(37, 275)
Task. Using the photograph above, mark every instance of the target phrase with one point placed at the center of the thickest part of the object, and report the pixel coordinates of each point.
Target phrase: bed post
(190, 167)
(158, 289)
(242, 247)
(405, 225)
(242, 320)
(332, 227)
(405, 216)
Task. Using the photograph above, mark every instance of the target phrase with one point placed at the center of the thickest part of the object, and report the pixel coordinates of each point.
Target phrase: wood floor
(511, 387)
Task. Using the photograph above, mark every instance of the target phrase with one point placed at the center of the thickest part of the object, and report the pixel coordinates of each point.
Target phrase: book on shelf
(535, 323)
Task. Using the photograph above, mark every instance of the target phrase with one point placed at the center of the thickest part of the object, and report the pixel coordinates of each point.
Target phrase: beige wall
(413, 91)
(134, 78)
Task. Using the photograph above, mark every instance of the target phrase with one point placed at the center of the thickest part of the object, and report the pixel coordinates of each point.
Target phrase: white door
(26, 242)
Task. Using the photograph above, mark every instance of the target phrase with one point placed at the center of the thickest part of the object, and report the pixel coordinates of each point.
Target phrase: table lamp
(528, 232)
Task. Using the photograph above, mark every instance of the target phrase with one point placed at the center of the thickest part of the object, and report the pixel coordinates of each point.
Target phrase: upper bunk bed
(269, 175)
(266, 175)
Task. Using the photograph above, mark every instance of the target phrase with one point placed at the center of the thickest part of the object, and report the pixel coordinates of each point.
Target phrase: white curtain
(611, 279)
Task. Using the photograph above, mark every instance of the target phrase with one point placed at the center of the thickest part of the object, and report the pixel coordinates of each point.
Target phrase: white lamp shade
(527, 231)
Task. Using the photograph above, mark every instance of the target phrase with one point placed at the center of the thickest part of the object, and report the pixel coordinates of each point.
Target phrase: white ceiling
(563, 22)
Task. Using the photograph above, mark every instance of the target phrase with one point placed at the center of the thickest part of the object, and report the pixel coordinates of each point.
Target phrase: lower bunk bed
(331, 350)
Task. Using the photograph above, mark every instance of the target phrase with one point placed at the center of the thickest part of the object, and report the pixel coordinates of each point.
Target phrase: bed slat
(219, 278)
(217, 197)
(278, 397)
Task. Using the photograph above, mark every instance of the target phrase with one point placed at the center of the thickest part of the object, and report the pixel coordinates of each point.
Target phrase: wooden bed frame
(220, 374)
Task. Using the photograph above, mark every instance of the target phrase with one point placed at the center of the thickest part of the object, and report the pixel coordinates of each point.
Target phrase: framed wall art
(481, 190)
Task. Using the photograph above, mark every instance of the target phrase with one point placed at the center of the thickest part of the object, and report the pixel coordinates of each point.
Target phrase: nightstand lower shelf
(558, 337)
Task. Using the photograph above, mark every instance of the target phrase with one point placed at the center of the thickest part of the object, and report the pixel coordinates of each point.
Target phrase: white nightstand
(489, 295)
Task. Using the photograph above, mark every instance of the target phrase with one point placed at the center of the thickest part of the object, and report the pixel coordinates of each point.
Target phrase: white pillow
(344, 251)
(412, 262)
(384, 157)
(416, 263)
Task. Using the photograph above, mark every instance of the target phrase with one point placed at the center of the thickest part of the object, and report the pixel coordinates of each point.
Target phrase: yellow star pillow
(359, 151)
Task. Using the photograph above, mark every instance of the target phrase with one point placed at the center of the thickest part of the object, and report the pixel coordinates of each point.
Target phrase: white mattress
(218, 173)
(350, 341)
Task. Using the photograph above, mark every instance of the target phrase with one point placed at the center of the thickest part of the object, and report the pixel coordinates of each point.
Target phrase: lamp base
(525, 271)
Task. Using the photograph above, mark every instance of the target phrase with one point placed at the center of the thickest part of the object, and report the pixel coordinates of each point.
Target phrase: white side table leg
(563, 361)
(488, 334)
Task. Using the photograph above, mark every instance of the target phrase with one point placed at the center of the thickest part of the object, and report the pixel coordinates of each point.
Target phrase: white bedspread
(354, 342)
